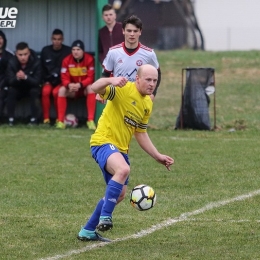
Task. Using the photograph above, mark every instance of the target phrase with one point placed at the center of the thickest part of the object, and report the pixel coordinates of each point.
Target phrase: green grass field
(207, 205)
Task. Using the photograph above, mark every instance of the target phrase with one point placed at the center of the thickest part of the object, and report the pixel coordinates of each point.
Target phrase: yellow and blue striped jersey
(126, 112)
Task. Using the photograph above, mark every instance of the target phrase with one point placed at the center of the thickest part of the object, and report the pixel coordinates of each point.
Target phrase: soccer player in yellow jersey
(126, 114)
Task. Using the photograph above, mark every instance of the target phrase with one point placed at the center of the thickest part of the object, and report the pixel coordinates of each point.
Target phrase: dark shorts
(80, 93)
(101, 154)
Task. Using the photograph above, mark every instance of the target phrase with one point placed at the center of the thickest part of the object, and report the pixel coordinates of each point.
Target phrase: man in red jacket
(77, 74)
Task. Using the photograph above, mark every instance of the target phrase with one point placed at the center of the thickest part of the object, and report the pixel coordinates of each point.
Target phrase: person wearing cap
(51, 59)
(5, 56)
(77, 74)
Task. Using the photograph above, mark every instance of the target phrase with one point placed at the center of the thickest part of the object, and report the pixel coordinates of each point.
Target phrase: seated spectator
(5, 55)
(77, 74)
(51, 59)
(24, 77)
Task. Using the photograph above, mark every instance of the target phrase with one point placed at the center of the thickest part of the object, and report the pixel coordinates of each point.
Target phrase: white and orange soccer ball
(142, 197)
(71, 120)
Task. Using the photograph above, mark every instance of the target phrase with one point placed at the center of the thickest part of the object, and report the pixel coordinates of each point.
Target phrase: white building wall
(37, 19)
(229, 24)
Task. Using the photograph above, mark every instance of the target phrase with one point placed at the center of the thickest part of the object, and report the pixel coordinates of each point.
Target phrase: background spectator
(51, 59)
(5, 55)
(77, 74)
(24, 78)
(125, 59)
(109, 35)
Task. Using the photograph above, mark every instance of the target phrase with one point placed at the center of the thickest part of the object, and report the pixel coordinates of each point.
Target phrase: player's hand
(166, 160)
(74, 87)
(99, 99)
(119, 81)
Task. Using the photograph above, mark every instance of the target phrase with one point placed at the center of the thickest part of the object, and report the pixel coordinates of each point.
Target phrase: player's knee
(124, 171)
(62, 92)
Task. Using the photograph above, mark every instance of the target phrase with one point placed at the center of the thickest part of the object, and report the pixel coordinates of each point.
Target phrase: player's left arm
(146, 144)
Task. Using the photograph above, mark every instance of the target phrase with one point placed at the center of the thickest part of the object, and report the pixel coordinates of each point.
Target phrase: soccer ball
(71, 120)
(142, 197)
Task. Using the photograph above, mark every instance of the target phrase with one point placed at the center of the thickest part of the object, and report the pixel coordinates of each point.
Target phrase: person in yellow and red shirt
(77, 74)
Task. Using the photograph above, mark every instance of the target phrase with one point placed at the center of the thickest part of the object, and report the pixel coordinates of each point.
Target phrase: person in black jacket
(51, 59)
(5, 55)
(24, 74)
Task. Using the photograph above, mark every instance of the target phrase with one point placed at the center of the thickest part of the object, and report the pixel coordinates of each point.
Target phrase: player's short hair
(21, 46)
(57, 32)
(107, 7)
(134, 20)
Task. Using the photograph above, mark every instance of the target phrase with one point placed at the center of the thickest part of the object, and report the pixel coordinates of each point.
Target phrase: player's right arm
(108, 65)
(100, 85)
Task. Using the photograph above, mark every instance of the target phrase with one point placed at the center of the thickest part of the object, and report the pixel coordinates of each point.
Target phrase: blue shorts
(101, 153)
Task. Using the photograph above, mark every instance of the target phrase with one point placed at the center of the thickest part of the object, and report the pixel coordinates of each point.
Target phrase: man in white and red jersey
(124, 59)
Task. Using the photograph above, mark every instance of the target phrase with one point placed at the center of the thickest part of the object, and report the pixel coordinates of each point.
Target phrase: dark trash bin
(194, 111)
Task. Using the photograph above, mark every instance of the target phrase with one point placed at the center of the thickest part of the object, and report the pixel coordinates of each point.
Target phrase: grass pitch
(49, 184)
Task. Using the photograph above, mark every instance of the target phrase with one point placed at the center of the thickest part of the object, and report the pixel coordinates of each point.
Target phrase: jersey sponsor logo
(139, 62)
(71, 65)
(133, 115)
(63, 70)
(130, 122)
(129, 76)
(75, 72)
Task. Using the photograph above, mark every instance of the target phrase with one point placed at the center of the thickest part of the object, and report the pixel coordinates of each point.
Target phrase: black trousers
(3, 96)
(17, 93)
